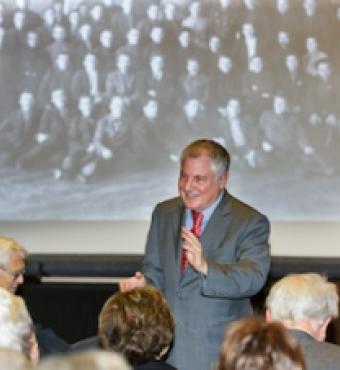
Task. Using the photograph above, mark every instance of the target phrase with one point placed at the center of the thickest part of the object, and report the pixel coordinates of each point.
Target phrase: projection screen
(99, 98)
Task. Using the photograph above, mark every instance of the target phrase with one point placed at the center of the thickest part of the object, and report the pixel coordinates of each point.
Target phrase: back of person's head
(253, 344)
(16, 324)
(220, 158)
(299, 297)
(87, 360)
(8, 248)
(13, 360)
(137, 323)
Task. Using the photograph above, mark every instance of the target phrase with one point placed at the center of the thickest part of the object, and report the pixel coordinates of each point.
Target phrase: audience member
(12, 268)
(137, 323)
(17, 330)
(306, 304)
(253, 344)
(12, 264)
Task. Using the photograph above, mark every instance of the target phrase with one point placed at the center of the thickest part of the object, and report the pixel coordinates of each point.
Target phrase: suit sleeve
(247, 274)
(152, 268)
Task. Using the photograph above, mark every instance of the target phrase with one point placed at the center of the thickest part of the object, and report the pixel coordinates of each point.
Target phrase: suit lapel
(211, 237)
(177, 222)
(214, 232)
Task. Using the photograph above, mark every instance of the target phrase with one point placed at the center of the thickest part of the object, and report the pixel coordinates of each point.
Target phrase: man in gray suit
(305, 304)
(207, 271)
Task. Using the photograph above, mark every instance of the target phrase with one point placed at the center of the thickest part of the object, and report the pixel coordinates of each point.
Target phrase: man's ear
(268, 314)
(323, 329)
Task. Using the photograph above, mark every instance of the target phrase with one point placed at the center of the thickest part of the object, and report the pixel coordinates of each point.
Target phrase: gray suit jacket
(235, 244)
(318, 355)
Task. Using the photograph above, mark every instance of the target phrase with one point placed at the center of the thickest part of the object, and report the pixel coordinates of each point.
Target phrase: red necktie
(197, 218)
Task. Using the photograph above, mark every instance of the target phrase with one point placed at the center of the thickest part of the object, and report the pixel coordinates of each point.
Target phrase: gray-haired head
(9, 247)
(298, 297)
(220, 158)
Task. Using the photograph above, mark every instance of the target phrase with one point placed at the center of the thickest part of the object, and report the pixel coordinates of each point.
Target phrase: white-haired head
(299, 297)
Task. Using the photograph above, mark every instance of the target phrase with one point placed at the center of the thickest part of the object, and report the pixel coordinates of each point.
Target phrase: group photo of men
(93, 89)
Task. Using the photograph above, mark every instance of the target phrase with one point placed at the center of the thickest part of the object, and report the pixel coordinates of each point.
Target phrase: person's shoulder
(325, 351)
(169, 205)
(85, 344)
(333, 349)
(321, 355)
(155, 365)
(240, 206)
(314, 349)
(244, 214)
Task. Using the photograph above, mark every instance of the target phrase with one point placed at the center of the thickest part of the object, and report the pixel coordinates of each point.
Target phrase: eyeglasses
(15, 274)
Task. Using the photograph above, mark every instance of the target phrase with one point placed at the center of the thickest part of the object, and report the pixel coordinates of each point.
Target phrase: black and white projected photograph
(97, 99)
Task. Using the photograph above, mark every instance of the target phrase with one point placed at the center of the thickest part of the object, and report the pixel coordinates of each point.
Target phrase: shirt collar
(207, 213)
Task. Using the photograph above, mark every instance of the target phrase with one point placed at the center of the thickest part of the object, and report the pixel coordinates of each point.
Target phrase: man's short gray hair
(303, 296)
(220, 158)
(9, 247)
